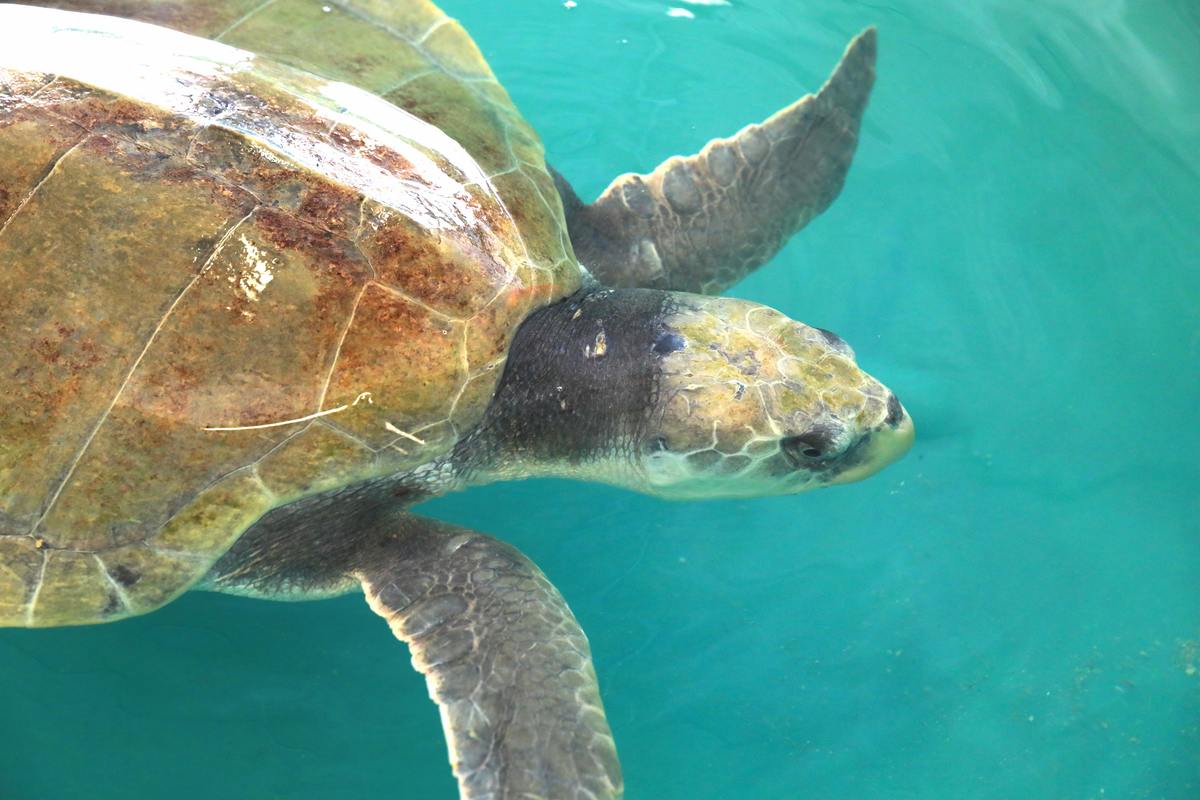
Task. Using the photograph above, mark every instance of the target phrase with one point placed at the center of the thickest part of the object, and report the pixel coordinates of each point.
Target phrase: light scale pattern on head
(195, 237)
(760, 378)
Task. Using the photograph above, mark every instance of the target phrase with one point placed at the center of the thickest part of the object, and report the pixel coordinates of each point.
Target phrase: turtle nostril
(895, 411)
(836, 342)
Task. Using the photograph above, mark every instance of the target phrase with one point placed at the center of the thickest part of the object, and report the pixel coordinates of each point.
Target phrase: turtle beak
(886, 444)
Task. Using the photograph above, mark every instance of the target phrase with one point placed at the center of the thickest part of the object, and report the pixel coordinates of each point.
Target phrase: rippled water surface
(1013, 611)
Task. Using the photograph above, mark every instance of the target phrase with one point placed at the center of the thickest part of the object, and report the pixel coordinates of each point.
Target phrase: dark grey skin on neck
(580, 384)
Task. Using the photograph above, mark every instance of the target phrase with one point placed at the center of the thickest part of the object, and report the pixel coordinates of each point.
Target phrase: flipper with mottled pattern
(701, 223)
(506, 662)
(504, 658)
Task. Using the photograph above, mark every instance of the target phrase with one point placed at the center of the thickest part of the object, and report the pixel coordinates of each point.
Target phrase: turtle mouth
(883, 446)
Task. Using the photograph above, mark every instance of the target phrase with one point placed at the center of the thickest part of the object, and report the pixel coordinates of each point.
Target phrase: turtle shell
(226, 284)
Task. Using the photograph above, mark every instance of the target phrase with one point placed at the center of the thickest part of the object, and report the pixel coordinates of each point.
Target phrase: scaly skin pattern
(743, 380)
(196, 244)
(700, 223)
(505, 660)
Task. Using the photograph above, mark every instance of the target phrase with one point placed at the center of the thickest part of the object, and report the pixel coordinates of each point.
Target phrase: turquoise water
(1013, 611)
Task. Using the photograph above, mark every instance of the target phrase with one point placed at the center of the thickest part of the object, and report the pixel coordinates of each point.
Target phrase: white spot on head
(598, 348)
(682, 13)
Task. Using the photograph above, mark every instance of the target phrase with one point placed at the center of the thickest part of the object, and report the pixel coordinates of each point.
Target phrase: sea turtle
(258, 296)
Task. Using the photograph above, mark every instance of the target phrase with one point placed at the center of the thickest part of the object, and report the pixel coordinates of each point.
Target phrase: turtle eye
(816, 445)
(659, 444)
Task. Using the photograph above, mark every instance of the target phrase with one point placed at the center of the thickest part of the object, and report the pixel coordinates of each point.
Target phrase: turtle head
(683, 396)
(750, 402)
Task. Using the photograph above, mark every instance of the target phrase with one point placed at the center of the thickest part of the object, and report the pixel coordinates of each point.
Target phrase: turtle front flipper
(701, 223)
(505, 660)
(503, 656)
